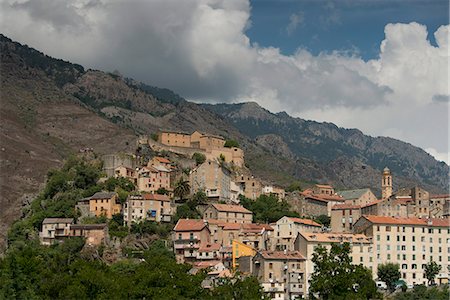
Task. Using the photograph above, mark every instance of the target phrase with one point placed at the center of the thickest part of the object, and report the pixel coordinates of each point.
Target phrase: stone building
(410, 242)
(343, 216)
(212, 178)
(95, 234)
(54, 230)
(188, 237)
(228, 213)
(104, 204)
(281, 273)
(152, 207)
(286, 230)
(358, 196)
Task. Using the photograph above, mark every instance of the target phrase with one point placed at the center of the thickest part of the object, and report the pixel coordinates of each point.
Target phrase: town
(408, 226)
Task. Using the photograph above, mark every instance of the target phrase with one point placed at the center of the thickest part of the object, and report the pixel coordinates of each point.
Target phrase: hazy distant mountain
(51, 108)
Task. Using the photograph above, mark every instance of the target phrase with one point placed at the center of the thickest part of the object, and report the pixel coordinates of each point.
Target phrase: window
(404, 266)
(271, 266)
(388, 228)
(422, 239)
(413, 257)
(398, 238)
(388, 247)
(191, 236)
(179, 236)
(404, 238)
(388, 237)
(431, 249)
(413, 266)
(378, 237)
(430, 230)
(389, 257)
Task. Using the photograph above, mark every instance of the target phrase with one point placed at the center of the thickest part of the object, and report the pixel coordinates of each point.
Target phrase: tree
(323, 219)
(267, 208)
(199, 158)
(389, 273)
(431, 269)
(420, 292)
(162, 191)
(335, 277)
(231, 143)
(295, 186)
(182, 189)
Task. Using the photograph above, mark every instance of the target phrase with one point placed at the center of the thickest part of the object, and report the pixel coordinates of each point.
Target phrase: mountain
(52, 108)
(327, 144)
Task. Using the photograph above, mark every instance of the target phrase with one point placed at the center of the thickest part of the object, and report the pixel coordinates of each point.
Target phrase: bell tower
(386, 184)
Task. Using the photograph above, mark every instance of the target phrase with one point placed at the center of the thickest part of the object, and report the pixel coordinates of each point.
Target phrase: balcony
(187, 244)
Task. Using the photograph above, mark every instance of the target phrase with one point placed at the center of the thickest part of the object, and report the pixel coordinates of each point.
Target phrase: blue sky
(325, 26)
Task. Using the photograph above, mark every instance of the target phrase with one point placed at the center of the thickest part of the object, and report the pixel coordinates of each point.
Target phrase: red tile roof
(345, 206)
(305, 221)
(439, 196)
(162, 160)
(330, 237)
(231, 226)
(371, 203)
(209, 247)
(408, 221)
(282, 255)
(157, 197)
(206, 264)
(189, 225)
(231, 208)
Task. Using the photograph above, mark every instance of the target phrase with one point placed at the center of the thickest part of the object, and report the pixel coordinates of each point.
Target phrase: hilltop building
(213, 178)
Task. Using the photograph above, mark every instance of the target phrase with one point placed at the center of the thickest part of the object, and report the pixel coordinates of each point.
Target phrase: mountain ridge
(52, 108)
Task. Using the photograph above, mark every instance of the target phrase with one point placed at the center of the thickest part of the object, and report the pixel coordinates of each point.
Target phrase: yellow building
(240, 249)
(104, 204)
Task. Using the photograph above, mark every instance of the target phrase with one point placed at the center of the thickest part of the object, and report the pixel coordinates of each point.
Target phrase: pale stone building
(286, 230)
(54, 230)
(151, 179)
(228, 213)
(212, 178)
(343, 216)
(358, 196)
(410, 242)
(274, 190)
(281, 273)
(153, 207)
(251, 186)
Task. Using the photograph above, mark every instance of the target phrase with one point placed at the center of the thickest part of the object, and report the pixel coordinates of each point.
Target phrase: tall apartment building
(410, 242)
(228, 213)
(306, 243)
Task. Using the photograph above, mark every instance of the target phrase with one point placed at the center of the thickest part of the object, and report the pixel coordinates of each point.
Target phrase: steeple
(386, 184)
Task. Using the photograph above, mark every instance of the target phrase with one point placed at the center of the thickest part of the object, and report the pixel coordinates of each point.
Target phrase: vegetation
(294, 186)
(151, 227)
(431, 269)
(182, 189)
(231, 143)
(323, 219)
(335, 277)
(390, 274)
(267, 209)
(420, 292)
(199, 158)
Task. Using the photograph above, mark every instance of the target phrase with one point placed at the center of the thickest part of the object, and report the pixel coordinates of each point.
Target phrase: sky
(381, 66)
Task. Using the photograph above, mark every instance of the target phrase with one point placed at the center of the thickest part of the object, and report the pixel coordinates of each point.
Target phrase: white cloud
(199, 49)
(294, 21)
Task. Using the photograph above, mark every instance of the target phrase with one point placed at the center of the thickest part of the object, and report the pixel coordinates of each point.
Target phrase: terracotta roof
(157, 197)
(407, 221)
(330, 197)
(57, 220)
(209, 247)
(231, 226)
(334, 237)
(440, 196)
(231, 208)
(189, 225)
(162, 159)
(445, 222)
(282, 255)
(305, 221)
(103, 195)
(206, 264)
(345, 206)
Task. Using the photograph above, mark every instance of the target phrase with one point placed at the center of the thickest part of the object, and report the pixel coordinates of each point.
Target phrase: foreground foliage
(421, 292)
(335, 277)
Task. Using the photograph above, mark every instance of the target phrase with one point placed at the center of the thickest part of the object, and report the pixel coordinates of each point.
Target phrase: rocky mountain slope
(325, 143)
(51, 108)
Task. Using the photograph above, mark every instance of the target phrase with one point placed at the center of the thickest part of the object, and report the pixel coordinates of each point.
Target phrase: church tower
(386, 184)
